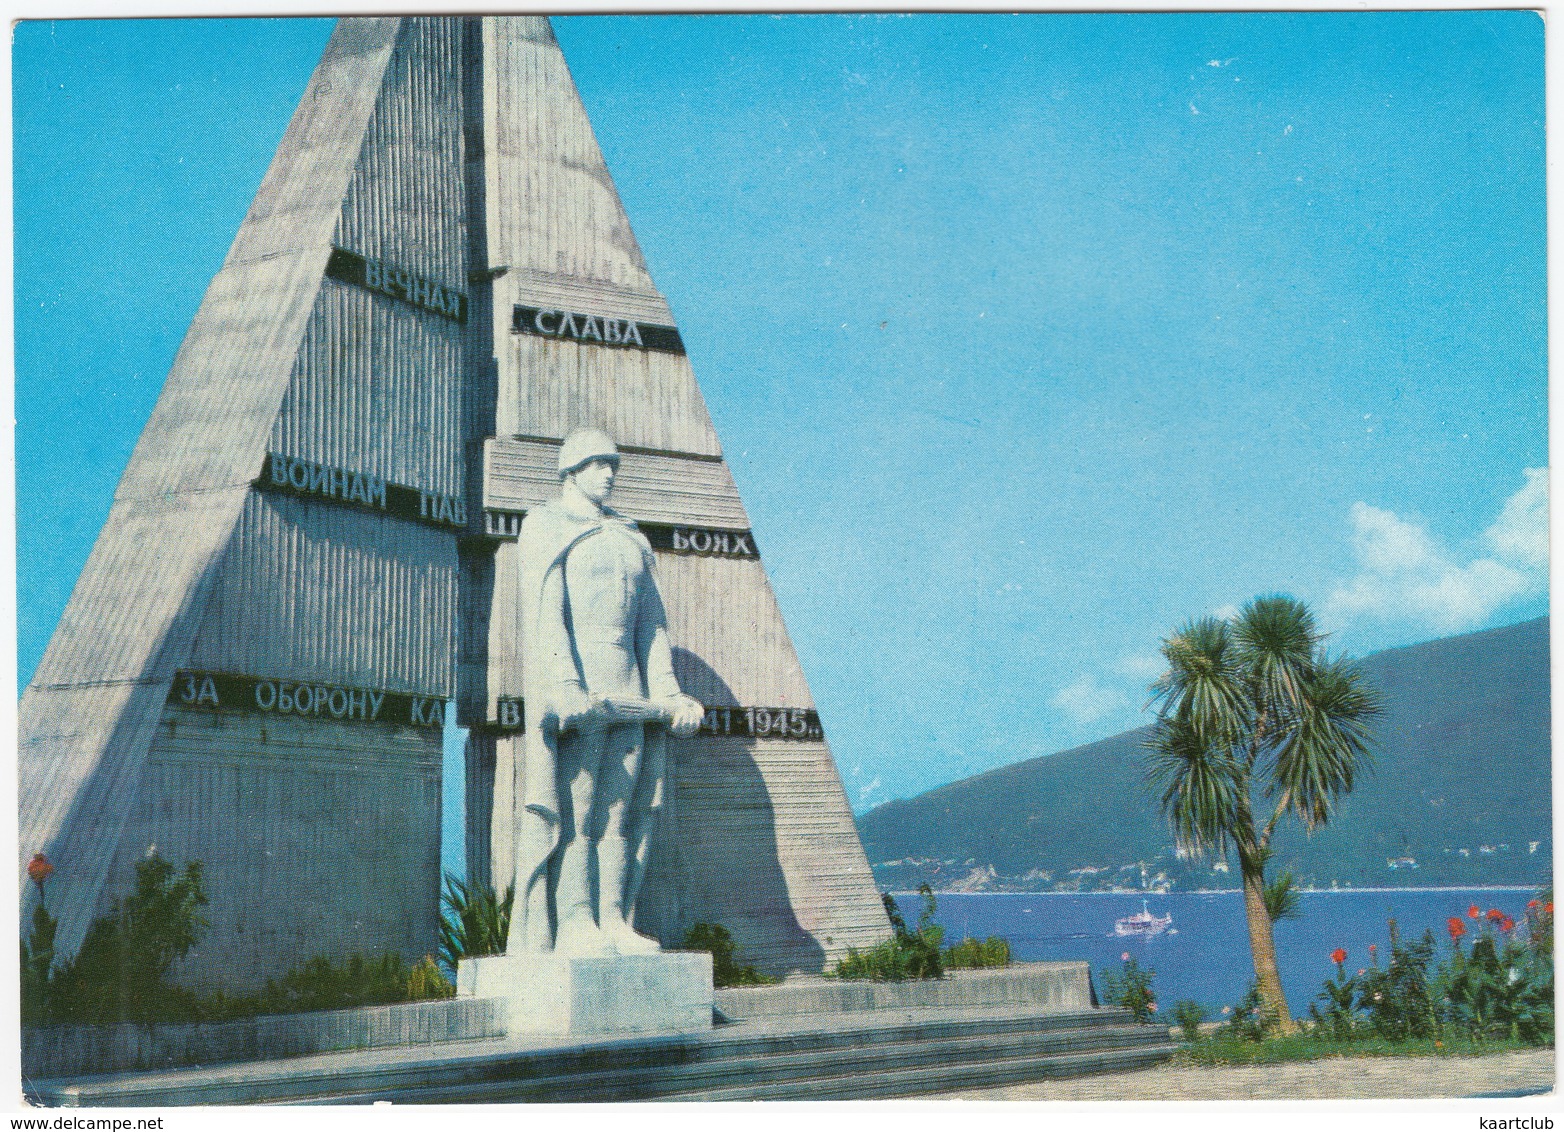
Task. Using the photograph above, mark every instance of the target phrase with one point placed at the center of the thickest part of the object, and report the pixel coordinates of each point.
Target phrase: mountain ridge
(1459, 793)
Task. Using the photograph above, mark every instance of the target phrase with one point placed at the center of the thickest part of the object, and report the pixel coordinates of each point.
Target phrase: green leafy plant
(1130, 987)
(121, 972)
(906, 955)
(1226, 1049)
(1281, 897)
(975, 953)
(473, 921)
(37, 965)
(1396, 998)
(1339, 999)
(1189, 1014)
(726, 971)
(1248, 1019)
(1503, 989)
(1255, 722)
(321, 984)
(427, 981)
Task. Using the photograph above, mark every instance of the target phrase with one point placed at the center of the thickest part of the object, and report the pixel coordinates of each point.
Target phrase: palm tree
(1256, 722)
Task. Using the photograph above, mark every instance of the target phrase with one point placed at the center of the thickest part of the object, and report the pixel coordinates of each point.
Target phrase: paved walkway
(1334, 1078)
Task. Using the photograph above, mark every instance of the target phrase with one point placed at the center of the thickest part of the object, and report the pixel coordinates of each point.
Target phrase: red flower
(1339, 955)
(1374, 948)
(39, 869)
(1548, 907)
(1457, 928)
(1474, 912)
(1494, 915)
(1534, 904)
(1506, 925)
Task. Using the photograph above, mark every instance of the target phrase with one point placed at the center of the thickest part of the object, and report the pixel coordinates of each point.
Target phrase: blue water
(1205, 956)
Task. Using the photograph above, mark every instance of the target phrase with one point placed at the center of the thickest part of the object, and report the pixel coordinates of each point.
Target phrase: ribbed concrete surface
(134, 609)
(1049, 986)
(57, 1051)
(317, 837)
(821, 1057)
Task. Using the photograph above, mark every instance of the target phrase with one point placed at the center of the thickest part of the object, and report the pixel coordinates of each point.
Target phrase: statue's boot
(578, 932)
(614, 923)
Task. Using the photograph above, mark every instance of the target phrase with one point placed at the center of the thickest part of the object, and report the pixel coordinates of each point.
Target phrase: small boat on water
(1143, 923)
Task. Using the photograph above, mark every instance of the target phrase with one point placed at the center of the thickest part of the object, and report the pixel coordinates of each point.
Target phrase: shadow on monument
(717, 860)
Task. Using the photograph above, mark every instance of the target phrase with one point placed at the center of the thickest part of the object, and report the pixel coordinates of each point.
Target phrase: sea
(1204, 955)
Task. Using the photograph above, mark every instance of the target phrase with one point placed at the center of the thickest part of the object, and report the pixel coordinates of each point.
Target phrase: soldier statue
(601, 699)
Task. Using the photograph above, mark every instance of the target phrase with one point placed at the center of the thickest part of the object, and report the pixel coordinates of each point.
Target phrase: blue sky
(1027, 337)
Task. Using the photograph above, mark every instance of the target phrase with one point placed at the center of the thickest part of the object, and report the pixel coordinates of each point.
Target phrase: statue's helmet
(583, 446)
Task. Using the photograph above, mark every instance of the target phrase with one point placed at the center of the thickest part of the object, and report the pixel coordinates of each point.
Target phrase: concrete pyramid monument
(312, 548)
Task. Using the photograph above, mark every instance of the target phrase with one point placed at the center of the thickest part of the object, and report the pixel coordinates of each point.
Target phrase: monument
(600, 691)
(346, 511)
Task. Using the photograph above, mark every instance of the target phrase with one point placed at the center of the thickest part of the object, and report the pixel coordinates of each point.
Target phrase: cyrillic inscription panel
(224, 691)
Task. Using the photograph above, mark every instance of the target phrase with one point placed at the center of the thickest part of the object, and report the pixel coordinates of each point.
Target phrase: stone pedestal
(601, 994)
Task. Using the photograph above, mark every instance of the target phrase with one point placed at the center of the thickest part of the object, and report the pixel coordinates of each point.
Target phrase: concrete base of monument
(1057, 986)
(667, 993)
(806, 1038)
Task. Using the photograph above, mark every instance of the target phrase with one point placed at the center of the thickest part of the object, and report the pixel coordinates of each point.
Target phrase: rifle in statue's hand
(681, 714)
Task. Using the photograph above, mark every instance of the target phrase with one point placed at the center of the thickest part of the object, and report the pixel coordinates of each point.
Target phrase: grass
(1225, 1050)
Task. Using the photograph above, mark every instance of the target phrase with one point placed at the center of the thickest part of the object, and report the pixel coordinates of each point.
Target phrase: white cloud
(1520, 533)
(1226, 612)
(1144, 667)
(1086, 701)
(1404, 573)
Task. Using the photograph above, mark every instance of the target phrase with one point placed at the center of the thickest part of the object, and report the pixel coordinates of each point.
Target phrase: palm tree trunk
(1263, 947)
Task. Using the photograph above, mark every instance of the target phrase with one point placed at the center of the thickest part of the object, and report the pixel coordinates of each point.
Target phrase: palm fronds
(474, 921)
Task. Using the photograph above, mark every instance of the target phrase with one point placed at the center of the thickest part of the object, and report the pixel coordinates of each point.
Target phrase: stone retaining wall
(1054, 986)
(60, 1051)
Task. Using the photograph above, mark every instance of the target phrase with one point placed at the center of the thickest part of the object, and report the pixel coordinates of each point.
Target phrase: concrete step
(883, 1070)
(908, 1082)
(870, 1053)
(792, 1070)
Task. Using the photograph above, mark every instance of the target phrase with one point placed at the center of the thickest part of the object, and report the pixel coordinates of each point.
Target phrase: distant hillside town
(1460, 794)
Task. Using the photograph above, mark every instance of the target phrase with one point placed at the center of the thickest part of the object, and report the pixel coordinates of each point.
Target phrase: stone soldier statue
(601, 698)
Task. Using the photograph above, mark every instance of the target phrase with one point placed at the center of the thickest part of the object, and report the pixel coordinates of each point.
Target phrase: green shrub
(473, 921)
(1189, 1014)
(1131, 989)
(1396, 998)
(906, 955)
(990, 952)
(725, 968)
(1502, 990)
(121, 972)
(1339, 997)
(1248, 1020)
(321, 984)
(1224, 1049)
(427, 981)
(37, 964)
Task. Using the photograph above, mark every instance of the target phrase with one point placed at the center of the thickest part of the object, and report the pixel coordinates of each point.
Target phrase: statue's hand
(687, 715)
(572, 707)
